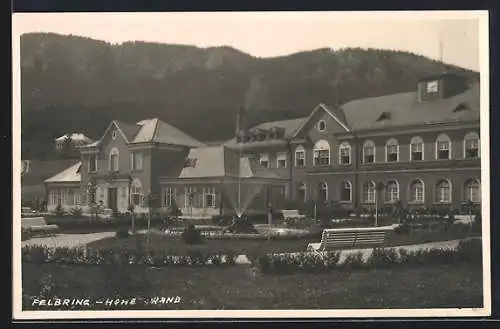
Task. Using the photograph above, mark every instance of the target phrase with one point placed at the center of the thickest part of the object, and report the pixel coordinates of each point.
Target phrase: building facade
(421, 148)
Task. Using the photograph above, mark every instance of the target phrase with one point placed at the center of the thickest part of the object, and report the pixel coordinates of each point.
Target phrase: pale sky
(268, 34)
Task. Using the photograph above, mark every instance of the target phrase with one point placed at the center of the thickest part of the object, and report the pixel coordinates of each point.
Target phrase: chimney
(238, 122)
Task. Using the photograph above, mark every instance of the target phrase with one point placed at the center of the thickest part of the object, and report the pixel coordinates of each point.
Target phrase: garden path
(67, 240)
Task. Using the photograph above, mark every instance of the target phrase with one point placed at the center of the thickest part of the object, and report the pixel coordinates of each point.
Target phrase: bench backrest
(290, 213)
(352, 238)
(33, 221)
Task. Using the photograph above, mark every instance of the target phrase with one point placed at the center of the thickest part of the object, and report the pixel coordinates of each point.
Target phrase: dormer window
(432, 87)
(384, 116)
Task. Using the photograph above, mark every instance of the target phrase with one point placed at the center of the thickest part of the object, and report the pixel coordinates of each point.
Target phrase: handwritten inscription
(105, 302)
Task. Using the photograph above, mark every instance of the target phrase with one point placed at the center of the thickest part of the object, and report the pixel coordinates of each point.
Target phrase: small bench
(289, 213)
(38, 225)
(351, 237)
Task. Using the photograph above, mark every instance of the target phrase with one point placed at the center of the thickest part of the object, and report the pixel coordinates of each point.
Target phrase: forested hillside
(76, 84)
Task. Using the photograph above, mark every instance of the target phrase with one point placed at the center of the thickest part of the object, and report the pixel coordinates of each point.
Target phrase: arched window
(321, 153)
(443, 191)
(300, 157)
(346, 191)
(369, 152)
(472, 190)
(321, 125)
(471, 146)
(443, 147)
(345, 153)
(417, 191)
(136, 193)
(302, 192)
(113, 160)
(369, 192)
(392, 191)
(416, 149)
(392, 150)
(322, 192)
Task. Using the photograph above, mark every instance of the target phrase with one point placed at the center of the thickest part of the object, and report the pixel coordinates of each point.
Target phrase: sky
(453, 37)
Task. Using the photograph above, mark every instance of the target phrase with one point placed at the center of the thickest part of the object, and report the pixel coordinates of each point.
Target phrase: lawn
(439, 286)
(240, 246)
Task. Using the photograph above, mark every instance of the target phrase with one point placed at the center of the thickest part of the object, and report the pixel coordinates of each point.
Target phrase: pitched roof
(219, 161)
(153, 130)
(405, 110)
(69, 175)
(40, 170)
(74, 137)
(290, 126)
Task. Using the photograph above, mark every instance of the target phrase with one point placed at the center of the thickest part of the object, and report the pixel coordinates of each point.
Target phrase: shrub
(26, 233)
(383, 258)
(477, 223)
(122, 233)
(470, 251)
(59, 211)
(230, 257)
(76, 212)
(215, 259)
(403, 229)
(242, 225)
(191, 235)
(197, 257)
(331, 259)
(353, 262)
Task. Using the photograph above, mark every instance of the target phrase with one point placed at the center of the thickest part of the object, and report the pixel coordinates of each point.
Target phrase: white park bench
(291, 213)
(351, 237)
(38, 225)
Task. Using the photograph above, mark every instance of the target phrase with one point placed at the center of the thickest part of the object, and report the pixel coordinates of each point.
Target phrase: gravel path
(67, 240)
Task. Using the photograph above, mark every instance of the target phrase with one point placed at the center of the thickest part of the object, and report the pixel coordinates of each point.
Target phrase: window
(321, 153)
(209, 197)
(113, 160)
(136, 193)
(443, 191)
(264, 160)
(345, 191)
(392, 191)
(369, 192)
(345, 154)
(369, 152)
(168, 196)
(93, 163)
(136, 160)
(281, 160)
(113, 134)
(392, 150)
(321, 125)
(417, 191)
(70, 197)
(322, 192)
(77, 197)
(443, 145)
(416, 149)
(300, 157)
(432, 86)
(473, 190)
(301, 192)
(471, 146)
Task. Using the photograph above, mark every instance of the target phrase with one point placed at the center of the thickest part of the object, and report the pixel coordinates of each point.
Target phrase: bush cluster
(69, 222)
(467, 251)
(124, 257)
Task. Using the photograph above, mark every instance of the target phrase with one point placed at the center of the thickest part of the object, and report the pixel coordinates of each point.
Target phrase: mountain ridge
(74, 83)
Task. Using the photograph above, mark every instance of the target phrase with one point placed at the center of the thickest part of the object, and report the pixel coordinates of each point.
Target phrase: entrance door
(112, 198)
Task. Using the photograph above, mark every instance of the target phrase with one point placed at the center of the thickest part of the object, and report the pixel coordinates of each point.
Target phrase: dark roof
(290, 126)
(405, 110)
